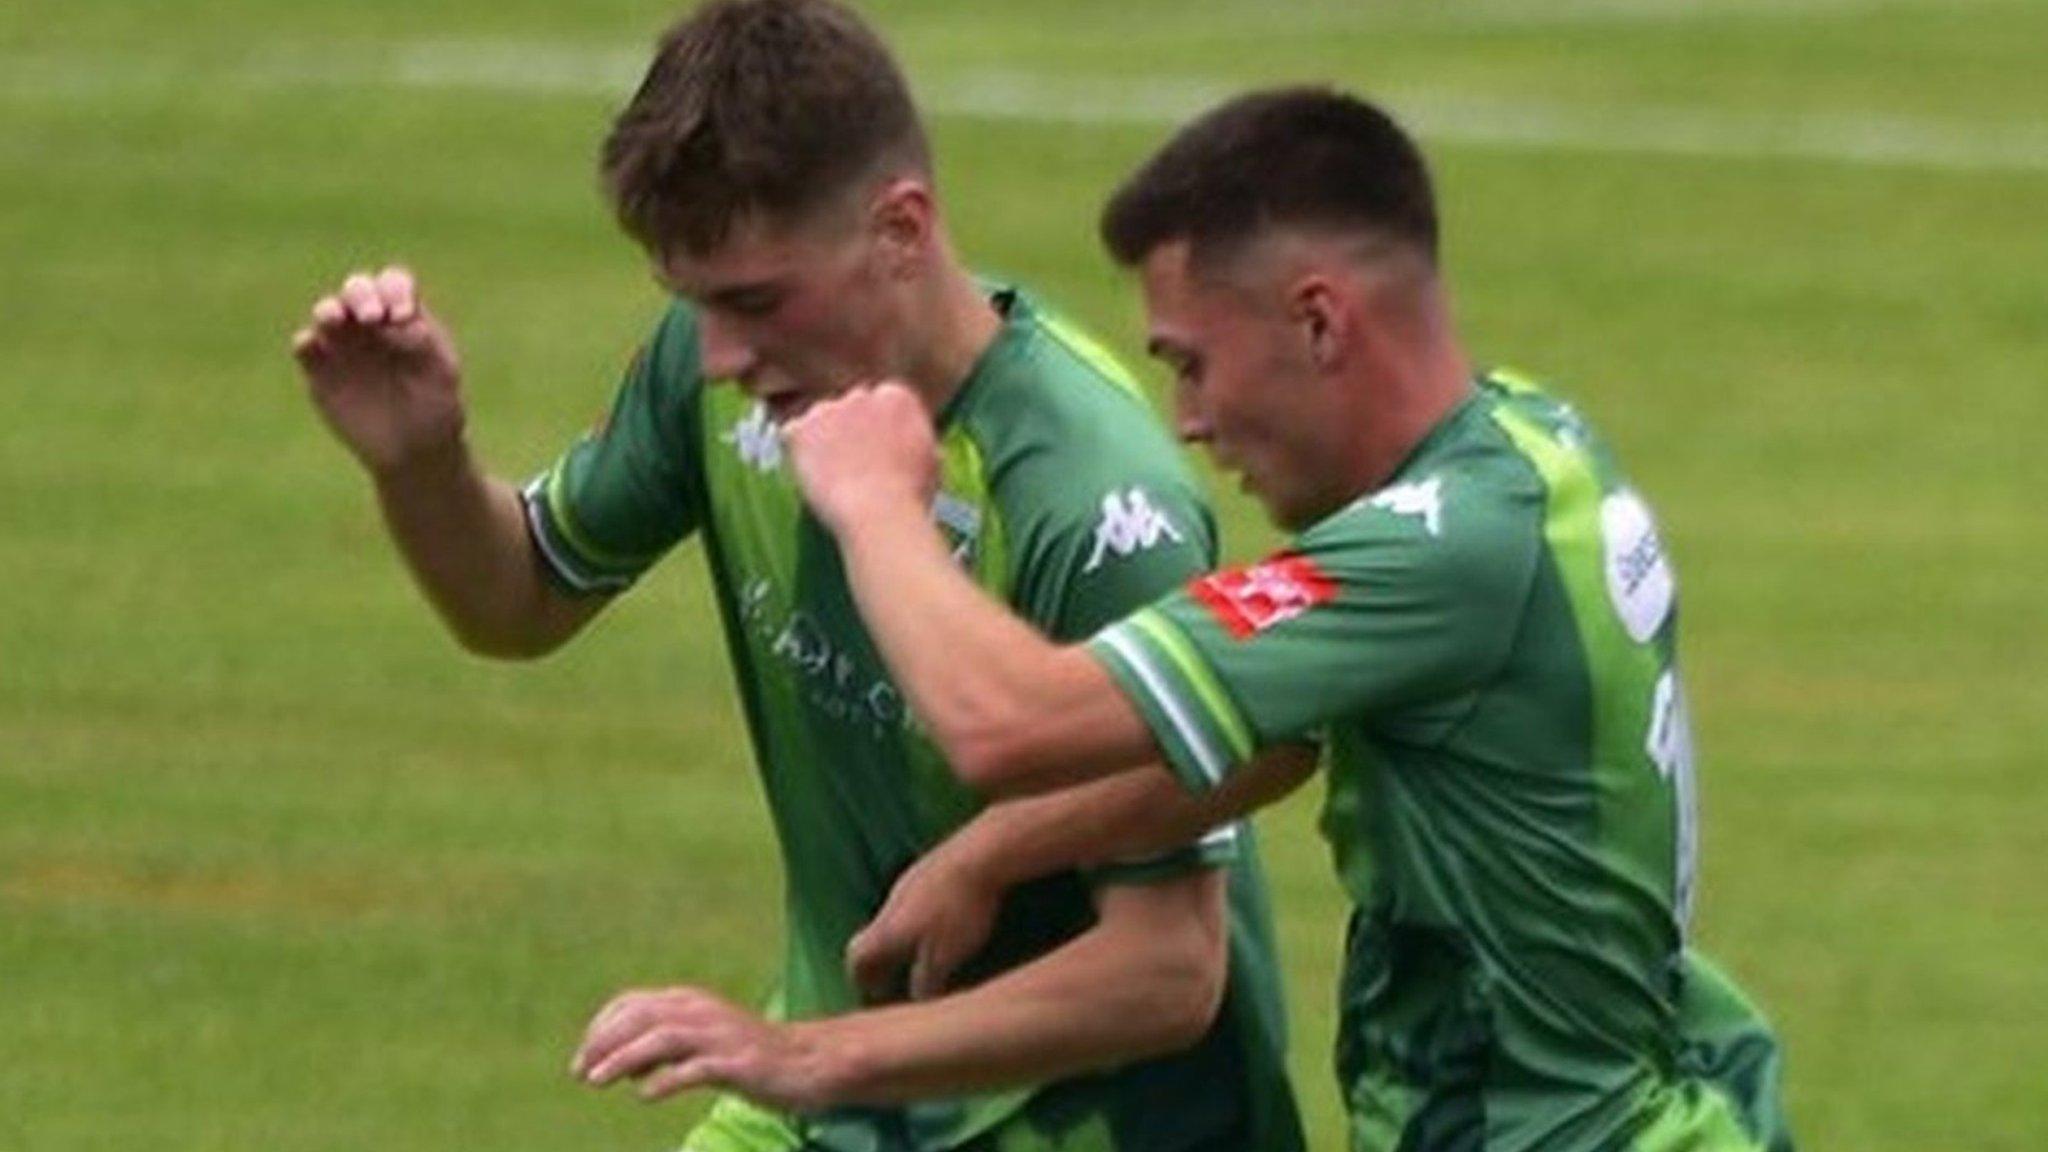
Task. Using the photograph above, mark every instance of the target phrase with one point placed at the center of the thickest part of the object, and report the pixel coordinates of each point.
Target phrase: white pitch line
(1159, 102)
(537, 68)
(1845, 138)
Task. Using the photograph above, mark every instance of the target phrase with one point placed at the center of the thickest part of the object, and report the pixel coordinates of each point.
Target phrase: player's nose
(1190, 423)
(726, 355)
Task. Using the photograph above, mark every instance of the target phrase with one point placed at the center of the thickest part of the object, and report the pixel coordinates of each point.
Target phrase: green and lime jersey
(1486, 648)
(1060, 494)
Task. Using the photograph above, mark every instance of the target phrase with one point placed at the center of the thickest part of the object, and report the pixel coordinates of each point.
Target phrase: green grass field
(281, 869)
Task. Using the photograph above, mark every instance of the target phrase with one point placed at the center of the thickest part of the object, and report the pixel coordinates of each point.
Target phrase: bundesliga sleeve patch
(1251, 599)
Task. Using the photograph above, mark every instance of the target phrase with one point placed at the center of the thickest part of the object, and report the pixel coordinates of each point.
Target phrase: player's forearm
(961, 658)
(1124, 991)
(983, 682)
(1132, 815)
(464, 537)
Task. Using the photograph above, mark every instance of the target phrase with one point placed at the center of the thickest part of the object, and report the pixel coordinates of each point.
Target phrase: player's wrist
(427, 463)
(994, 853)
(832, 1064)
(870, 506)
(886, 530)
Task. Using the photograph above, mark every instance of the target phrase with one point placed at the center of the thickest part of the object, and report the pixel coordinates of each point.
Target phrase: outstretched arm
(385, 376)
(1145, 980)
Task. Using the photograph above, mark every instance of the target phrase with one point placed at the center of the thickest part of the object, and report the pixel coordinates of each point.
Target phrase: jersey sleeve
(1412, 594)
(626, 492)
(1096, 546)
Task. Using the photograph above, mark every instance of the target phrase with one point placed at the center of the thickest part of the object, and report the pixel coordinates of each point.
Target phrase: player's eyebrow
(743, 296)
(748, 297)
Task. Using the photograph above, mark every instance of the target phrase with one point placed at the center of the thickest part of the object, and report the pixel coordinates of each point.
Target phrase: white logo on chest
(1129, 524)
(756, 439)
(1639, 579)
(1419, 498)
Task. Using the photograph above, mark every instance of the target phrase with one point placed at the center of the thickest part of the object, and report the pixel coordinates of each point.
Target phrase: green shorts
(735, 1125)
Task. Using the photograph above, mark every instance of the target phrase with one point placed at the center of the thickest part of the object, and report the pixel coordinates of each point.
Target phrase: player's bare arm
(1014, 712)
(940, 912)
(384, 374)
(1145, 980)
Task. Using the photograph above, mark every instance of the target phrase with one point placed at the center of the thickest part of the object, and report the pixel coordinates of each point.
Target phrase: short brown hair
(756, 106)
(1300, 157)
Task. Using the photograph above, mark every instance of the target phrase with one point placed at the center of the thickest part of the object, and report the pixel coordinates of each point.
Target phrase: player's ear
(903, 219)
(1315, 307)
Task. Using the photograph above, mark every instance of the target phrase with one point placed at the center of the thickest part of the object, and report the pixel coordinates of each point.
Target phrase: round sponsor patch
(1639, 579)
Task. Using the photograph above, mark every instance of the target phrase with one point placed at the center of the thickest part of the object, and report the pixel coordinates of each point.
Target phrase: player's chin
(1290, 515)
(788, 406)
(1277, 508)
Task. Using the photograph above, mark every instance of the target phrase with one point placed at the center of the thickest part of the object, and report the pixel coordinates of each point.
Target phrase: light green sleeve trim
(1515, 382)
(563, 521)
(560, 558)
(1194, 745)
(1215, 699)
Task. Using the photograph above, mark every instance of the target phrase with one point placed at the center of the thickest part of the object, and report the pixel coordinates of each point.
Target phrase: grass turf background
(279, 868)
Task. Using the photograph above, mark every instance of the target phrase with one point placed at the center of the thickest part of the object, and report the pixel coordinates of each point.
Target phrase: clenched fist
(869, 449)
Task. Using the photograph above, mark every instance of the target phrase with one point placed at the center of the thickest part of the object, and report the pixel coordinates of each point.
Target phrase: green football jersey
(1060, 494)
(1486, 649)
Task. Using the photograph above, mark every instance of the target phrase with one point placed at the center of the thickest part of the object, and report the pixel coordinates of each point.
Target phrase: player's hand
(382, 371)
(939, 914)
(675, 1039)
(869, 449)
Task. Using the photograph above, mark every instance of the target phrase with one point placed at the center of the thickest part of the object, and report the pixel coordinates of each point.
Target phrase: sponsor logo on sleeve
(1130, 524)
(1251, 599)
(1639, 578)
(1422, 499)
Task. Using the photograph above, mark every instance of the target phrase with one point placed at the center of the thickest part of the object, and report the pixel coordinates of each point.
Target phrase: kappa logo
(1130, 524)
(1639, 578)
(1251, 599)
(1420, 498)
(756, 439)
